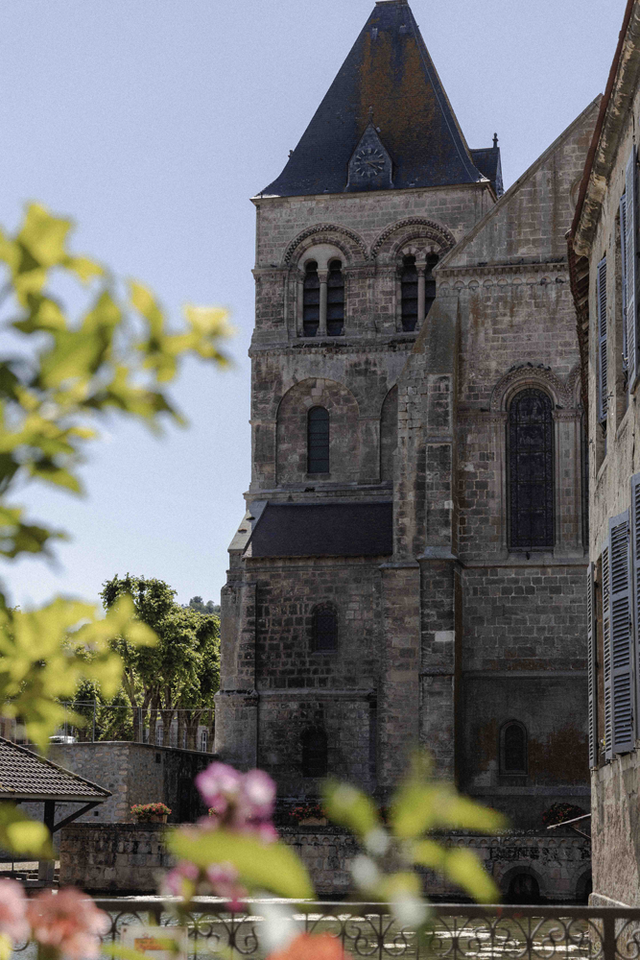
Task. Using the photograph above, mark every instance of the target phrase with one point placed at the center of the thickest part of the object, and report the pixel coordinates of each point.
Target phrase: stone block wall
(615, 828)
(134, 773)
(130, 858)
(113, 858)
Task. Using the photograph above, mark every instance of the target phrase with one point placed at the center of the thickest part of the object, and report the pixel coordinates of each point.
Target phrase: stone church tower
(411, 565)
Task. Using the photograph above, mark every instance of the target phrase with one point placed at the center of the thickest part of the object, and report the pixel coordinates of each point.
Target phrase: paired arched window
(513, 749)
(311, 300)
(335, 300)
(324, 630)
(530, 444)
(318, 440)
(416, 303)
(314, 753)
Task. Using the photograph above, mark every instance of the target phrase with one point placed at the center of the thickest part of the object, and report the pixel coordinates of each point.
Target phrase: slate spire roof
(388, 79)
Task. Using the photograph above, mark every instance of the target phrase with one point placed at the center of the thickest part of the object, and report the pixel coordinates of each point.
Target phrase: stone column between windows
(568, 529)
(421, 266)
(323, 276)
(300, 305)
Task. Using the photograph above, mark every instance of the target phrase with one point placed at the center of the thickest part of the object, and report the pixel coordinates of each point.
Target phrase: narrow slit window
(335, 300)
(409, 288)
(318, 440)
(311, 300)
(314, 753)
(513, 759)
(530, 440)
(325, 631)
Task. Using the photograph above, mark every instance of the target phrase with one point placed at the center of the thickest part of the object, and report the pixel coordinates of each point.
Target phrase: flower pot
(158, 818)
(314, 822)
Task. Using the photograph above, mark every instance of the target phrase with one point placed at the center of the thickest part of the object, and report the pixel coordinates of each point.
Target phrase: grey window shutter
(622, 693)
(635, 586)
(592, 670)
(601, 302)
(606, 650)
(623, 264)
(631, 266)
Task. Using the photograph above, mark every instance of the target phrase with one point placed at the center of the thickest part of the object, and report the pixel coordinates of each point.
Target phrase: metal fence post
(609, 936)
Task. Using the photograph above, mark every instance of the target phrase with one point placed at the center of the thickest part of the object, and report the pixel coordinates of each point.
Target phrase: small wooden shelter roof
(24, 776)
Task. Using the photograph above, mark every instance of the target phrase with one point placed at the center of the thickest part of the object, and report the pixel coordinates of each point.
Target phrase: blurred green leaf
(351, 808)
(272, 867)
(21, 836)
(460, 866)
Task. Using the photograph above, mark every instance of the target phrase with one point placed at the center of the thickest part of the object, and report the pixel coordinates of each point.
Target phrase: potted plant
(150, 812)
(309, 814)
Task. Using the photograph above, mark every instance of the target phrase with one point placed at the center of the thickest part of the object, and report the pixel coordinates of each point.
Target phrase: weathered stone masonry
(449, 634)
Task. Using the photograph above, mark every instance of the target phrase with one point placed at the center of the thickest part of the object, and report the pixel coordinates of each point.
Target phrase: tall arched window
(513, 749)
(314, 753)
(335, 300)
(311, 300)
(318, 440)
(324, 630)
(530, 441)
(409, 288)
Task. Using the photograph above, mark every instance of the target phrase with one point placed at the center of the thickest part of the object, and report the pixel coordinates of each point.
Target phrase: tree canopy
(182, 671)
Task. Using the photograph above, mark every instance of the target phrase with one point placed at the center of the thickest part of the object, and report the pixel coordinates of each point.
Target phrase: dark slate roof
(489, 163)
(323, 530)
(26, 776)
(390, 70)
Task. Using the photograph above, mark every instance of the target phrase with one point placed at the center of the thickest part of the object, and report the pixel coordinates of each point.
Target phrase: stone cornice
(342, 345)
(504, 269)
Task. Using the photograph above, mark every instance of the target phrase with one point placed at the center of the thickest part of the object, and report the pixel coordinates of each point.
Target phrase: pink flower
(259, 794)
(223, 878)
(13, 911)
(69, 922)
(220, 786)
(182, 880)
(238, 801)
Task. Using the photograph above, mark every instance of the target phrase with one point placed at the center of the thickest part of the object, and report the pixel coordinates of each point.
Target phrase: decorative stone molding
(427, 230)
(528, 375)
(557, 270)
(328, 233)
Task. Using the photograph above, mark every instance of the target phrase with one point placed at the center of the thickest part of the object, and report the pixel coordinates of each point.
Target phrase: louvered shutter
(622, 694)
(601, 299)
(623, 265)
(635, 587)
(606, 650)
(592, 668)
(631, 266)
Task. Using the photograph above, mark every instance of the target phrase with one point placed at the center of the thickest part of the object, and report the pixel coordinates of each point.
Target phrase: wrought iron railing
(457, 932)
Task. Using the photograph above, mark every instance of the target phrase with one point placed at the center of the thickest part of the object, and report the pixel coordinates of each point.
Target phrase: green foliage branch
(63, 377)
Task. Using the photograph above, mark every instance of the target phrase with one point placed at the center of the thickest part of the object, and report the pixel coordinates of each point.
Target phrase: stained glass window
(530, 441)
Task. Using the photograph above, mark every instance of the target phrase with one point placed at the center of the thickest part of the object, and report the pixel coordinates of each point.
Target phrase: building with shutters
(411, 566)
(604, 267)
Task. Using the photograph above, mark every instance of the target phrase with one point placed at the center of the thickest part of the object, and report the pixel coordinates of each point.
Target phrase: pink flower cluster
(242, 802)
(239, 801)
(66, 922)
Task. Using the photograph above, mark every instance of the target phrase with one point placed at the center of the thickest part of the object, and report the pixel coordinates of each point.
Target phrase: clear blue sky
(152, 123)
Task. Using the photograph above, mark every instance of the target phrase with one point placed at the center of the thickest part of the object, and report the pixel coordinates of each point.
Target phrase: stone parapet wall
(113, 857)
(128, 858)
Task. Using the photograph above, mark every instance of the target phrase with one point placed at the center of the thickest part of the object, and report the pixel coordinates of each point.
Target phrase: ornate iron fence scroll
(456, 932)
